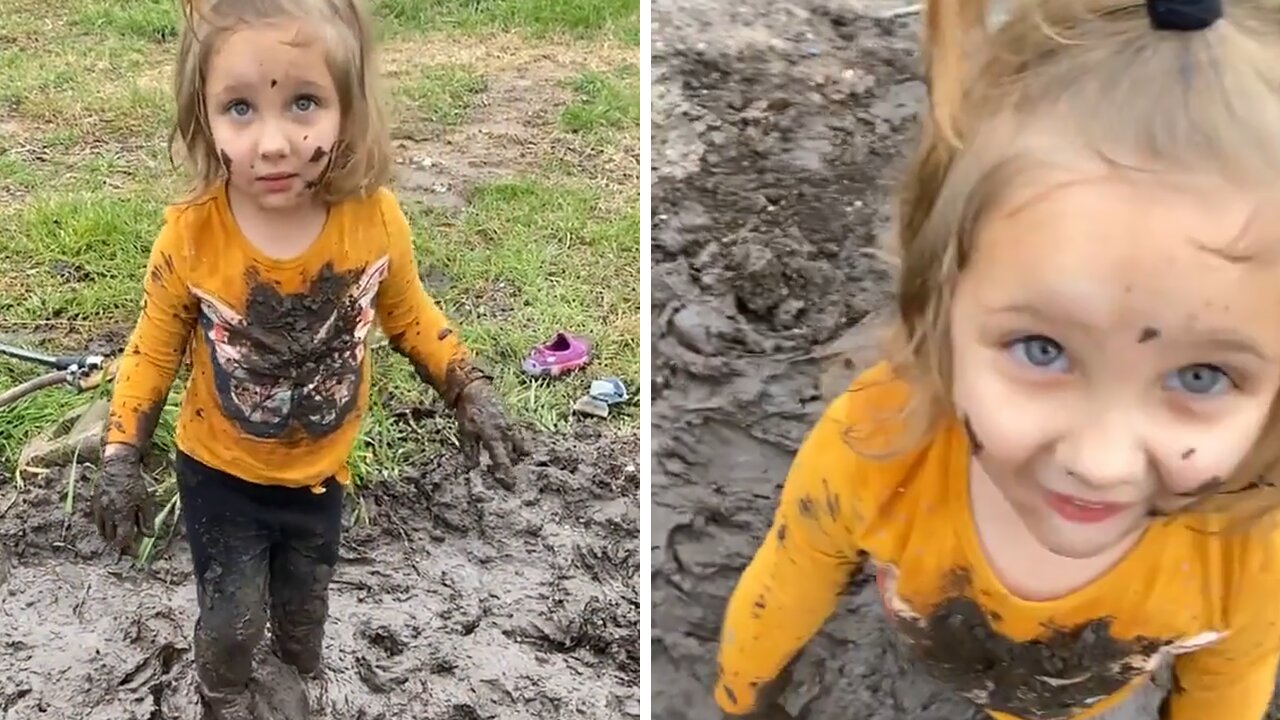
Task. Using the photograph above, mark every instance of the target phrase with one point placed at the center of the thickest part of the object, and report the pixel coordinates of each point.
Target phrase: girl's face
(1116, 350)
(274, 113)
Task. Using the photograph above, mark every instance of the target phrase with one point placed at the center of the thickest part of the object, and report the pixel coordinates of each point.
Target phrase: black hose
(35, 358)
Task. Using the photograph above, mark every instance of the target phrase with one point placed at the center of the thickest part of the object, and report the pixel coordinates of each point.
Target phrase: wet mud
(779, 132)
(456, 600)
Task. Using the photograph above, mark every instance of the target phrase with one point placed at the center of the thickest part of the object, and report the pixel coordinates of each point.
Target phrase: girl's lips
(277, 182)
(1074, 509)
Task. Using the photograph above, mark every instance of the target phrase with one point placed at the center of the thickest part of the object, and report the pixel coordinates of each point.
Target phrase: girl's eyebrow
(1220, 339)
(1037, 313)
(1229, 341)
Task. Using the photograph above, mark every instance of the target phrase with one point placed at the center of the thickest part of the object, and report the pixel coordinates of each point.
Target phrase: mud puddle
(779, 131)
(777, 128)
(456, 601)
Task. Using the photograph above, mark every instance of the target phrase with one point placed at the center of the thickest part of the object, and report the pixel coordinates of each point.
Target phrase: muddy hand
(482, 422)
(122, 505)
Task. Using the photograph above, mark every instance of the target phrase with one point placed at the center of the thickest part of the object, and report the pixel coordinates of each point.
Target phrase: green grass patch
(82, 256)
(604, 103)
(150, 20)
(438, 94)
(583, 18)
(526, 259)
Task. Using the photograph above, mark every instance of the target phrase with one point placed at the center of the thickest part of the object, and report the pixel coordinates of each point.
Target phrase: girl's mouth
(1078, 510)
(277, 182)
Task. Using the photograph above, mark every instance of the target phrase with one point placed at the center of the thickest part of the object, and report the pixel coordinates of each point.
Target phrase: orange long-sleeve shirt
(1206, 600)
(279, 369)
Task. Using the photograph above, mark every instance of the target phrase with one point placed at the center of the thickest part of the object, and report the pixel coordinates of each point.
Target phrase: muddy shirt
(1204, 601)
(279, 369)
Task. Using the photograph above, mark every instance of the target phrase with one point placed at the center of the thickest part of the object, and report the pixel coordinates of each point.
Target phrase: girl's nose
(1105, 452)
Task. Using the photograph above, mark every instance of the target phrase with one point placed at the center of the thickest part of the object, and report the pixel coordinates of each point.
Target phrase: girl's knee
(228, 632)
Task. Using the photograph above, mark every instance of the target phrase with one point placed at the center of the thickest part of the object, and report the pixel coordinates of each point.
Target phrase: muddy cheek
(975, 444)
(1208, 487)
(319, 154)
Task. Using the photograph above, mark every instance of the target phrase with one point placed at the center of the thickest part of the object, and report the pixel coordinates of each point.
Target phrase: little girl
(1063, 481)
(277, 266)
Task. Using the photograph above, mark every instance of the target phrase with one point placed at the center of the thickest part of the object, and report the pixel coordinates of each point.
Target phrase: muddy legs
(301, 568)
(232, 622)
(259, 552)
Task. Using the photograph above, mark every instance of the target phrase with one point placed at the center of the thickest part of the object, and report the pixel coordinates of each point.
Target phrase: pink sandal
(563, 353)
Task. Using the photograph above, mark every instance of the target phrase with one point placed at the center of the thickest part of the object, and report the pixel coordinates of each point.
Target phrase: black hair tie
(1184, 15)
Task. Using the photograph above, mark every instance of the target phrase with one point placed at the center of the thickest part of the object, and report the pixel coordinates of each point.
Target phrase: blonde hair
(1097, 74)
(361, 159)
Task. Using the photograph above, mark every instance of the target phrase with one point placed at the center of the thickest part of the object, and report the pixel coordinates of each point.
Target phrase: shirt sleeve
(1236, 677)
(793, 582)
(158, 344)
(414, 324)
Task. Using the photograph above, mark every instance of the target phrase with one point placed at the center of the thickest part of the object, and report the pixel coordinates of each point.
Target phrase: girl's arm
(792, 584)
(158, 344)
(412, 321)
(1236, 676)
(1234, 681)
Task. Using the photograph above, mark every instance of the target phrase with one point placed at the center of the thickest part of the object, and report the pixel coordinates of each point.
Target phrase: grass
(157, 20)
(439, 94)
(84, 176)
(538, 18)
(605, 103)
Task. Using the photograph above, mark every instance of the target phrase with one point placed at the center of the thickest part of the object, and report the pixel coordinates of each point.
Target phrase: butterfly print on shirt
(292, 360)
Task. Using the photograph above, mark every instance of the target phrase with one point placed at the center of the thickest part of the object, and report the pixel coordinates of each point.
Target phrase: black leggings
(260, 552)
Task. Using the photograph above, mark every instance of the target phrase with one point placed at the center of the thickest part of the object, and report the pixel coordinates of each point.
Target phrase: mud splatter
(1148, 334)
(975, 444)
(319, 154)
(1208, 487)
(453, 602)
(291, 364)
(444, 333)
(1049, 678)
(274, 82)
(1186, 454)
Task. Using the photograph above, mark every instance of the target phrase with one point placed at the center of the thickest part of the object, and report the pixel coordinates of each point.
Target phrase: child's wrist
(118, 449)
(458, 377)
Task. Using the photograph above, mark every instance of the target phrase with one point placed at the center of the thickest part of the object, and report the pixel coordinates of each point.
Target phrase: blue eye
(1200, 379)
(238, 108)
(1040, 352)
(305, 103)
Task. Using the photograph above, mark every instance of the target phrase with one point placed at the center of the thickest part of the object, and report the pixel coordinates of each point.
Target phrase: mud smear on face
(975, 444)
(1048, 678)
(319, 154)
(1148, 334)
(1208, 487)
(226, 160)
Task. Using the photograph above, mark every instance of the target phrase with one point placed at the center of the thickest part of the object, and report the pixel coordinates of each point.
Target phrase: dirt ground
(457, 601)
(779, 130)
